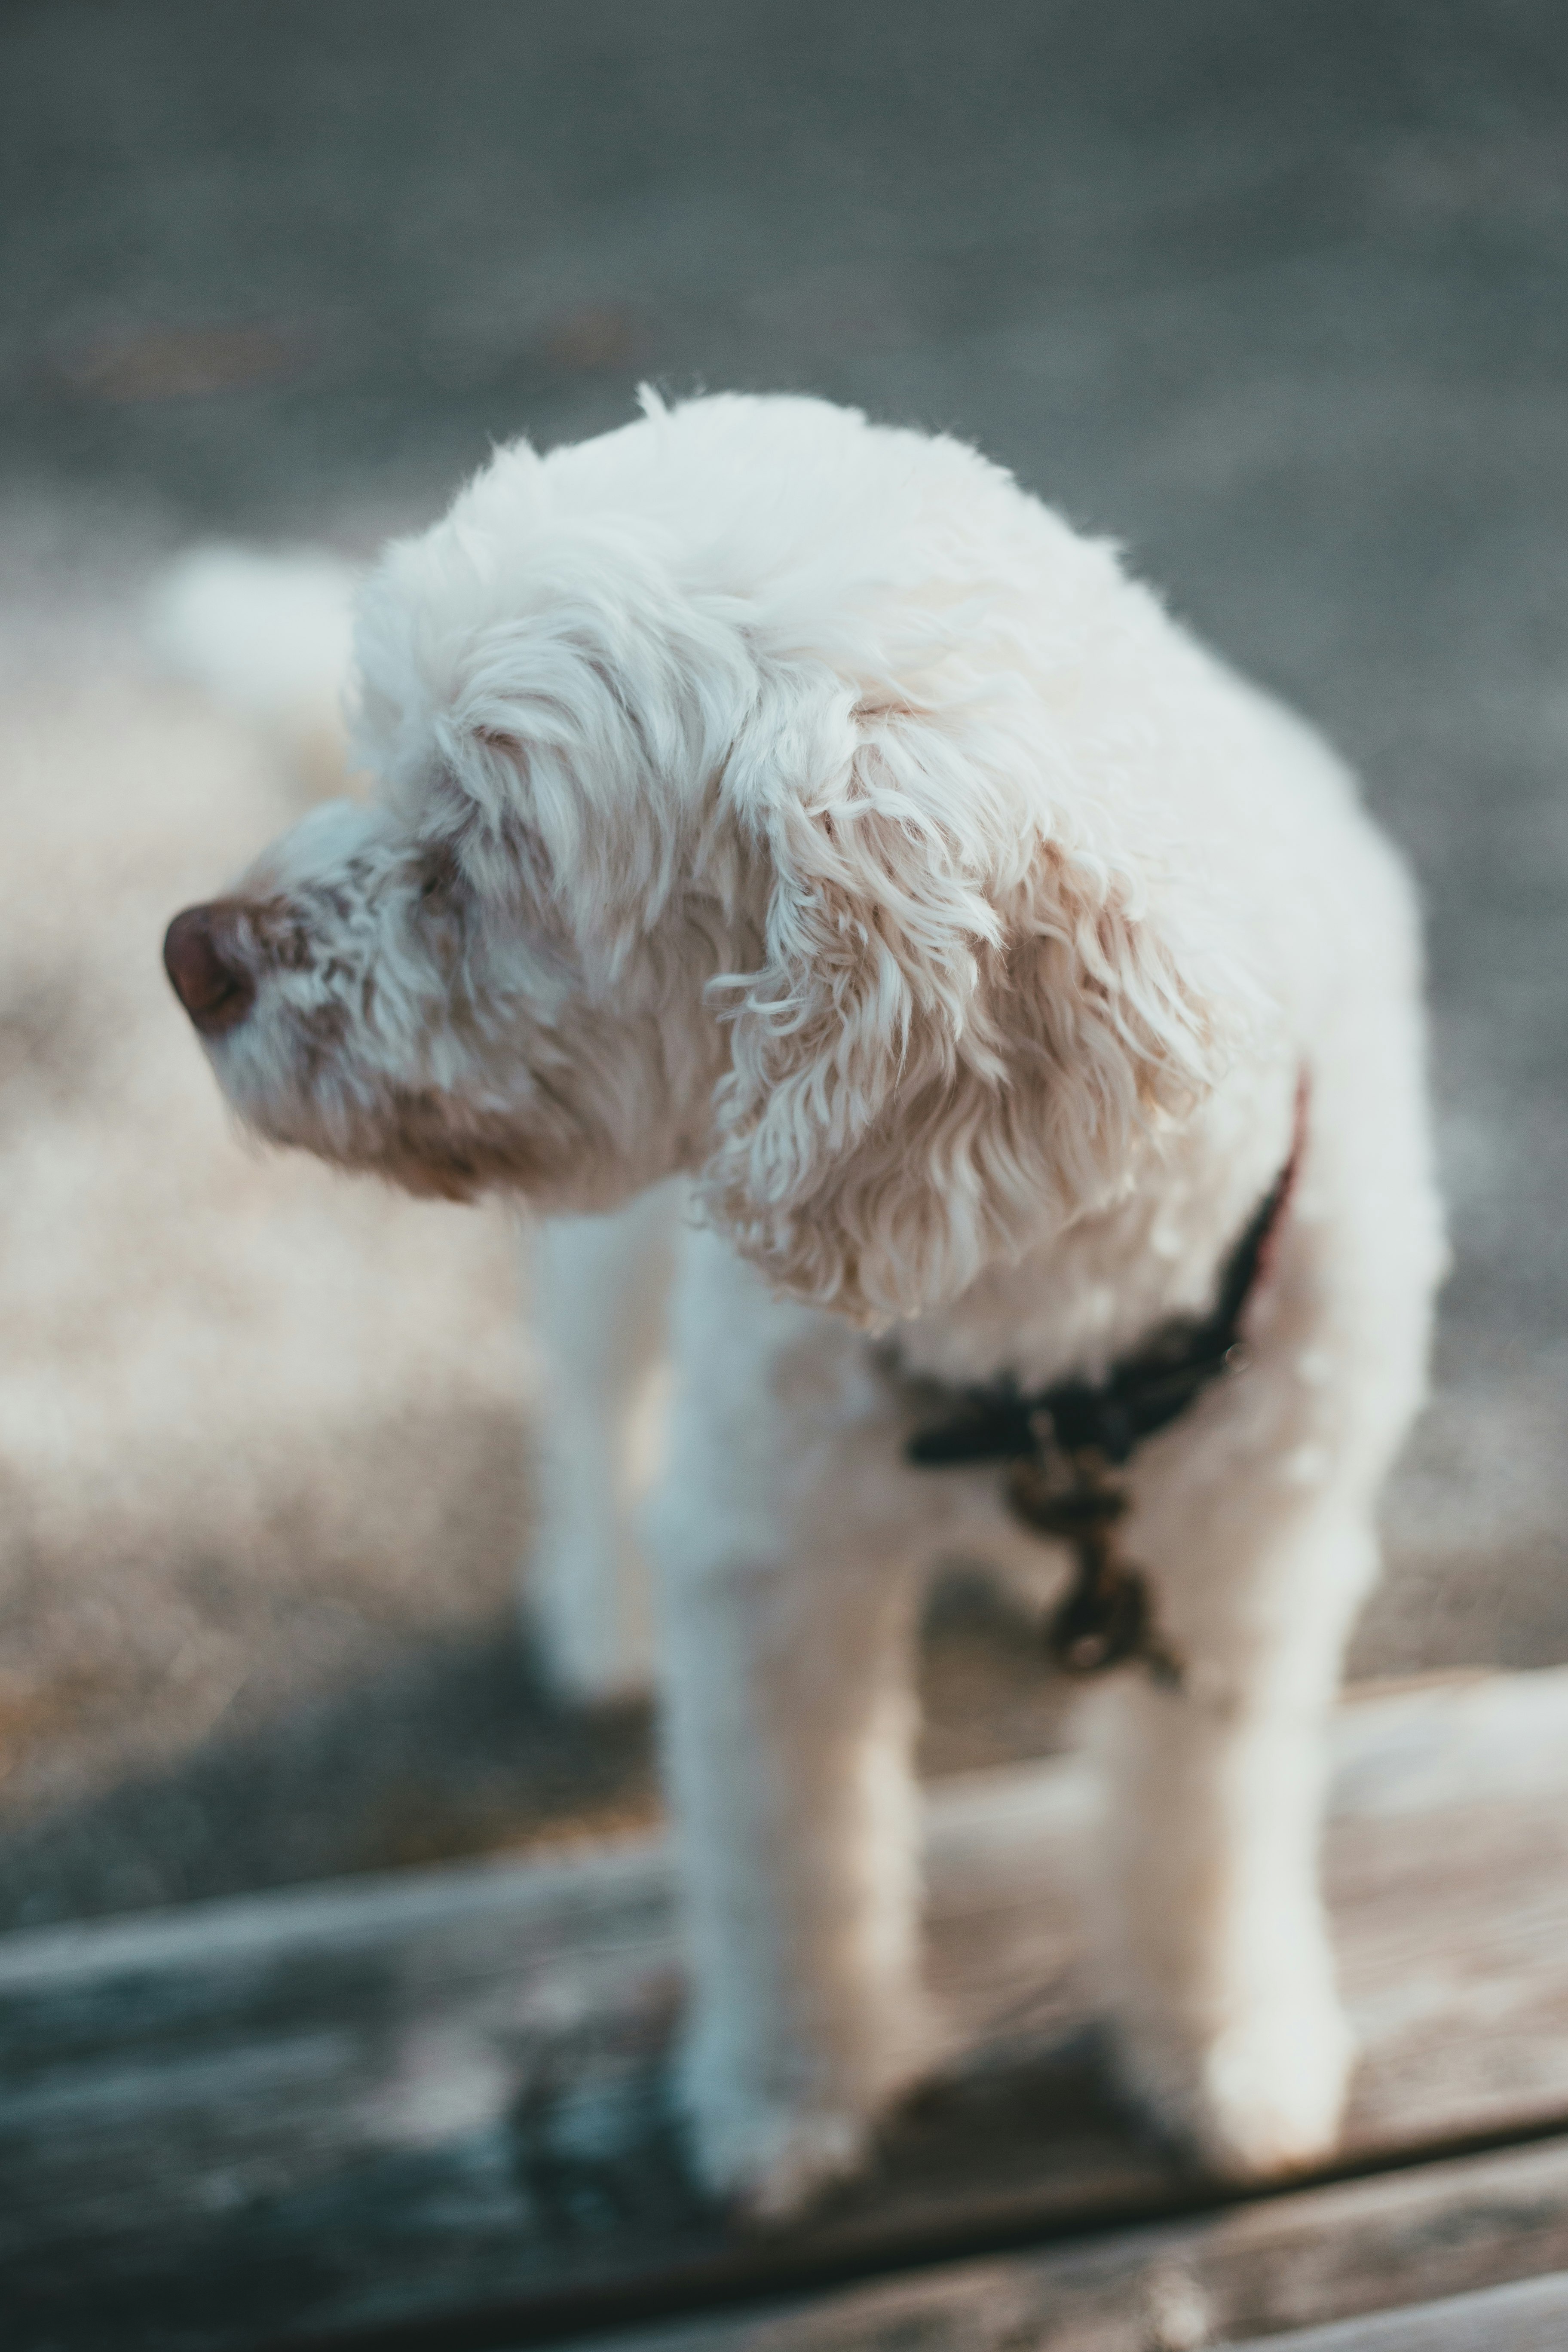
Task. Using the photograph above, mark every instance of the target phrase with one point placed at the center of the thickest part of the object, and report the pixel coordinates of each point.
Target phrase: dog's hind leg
(599, 1287)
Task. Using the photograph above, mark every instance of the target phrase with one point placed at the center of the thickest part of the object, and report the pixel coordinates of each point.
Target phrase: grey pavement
(1276, 296)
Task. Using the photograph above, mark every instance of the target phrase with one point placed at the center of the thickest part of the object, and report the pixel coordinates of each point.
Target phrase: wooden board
(380, 2106)
(1425, 2237)
(1532, 2316)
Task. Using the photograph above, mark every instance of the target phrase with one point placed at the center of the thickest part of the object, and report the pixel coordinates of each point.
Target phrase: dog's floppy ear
(962, 1025)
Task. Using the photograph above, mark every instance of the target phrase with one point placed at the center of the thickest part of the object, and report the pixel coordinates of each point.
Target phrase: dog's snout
(209, 973)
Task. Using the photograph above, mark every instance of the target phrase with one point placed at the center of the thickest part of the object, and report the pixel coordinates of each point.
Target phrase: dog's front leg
(1256, 1519)
(789, 1718)
(1214, 1946)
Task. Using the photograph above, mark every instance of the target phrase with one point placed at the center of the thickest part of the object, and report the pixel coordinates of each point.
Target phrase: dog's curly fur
(796, 811)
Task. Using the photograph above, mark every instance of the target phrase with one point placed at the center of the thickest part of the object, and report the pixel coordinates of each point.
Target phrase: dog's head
(704, 843)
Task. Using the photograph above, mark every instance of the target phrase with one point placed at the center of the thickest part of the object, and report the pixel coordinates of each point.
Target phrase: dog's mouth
(437, 1149)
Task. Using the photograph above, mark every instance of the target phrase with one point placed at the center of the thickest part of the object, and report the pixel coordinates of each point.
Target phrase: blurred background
(1276, 296)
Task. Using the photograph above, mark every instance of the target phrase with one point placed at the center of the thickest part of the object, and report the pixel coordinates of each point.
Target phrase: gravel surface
(1276, 296)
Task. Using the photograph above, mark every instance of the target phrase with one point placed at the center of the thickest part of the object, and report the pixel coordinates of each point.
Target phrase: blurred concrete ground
(1276, 296)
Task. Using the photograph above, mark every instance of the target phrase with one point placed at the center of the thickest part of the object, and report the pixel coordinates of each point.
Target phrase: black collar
(1141, 1393)
(1063, 1442)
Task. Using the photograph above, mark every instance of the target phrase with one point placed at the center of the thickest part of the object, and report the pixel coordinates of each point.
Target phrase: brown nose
(201, 956)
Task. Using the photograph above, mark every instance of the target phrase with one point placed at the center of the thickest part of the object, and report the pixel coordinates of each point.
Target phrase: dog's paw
(1264, 2095)
(771, 2163)
(770, 2153)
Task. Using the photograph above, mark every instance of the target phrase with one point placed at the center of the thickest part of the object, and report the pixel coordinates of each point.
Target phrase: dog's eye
(437, 881)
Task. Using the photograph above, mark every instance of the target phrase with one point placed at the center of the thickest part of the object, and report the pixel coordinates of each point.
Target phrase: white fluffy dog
(796, 808)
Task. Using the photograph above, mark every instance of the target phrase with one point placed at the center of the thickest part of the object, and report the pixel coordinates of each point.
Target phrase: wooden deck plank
(1352, 2250)
(1529, 2317)
(379, 2105)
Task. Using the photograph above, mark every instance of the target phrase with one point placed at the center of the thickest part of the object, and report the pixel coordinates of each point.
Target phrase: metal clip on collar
(1106, 1619)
